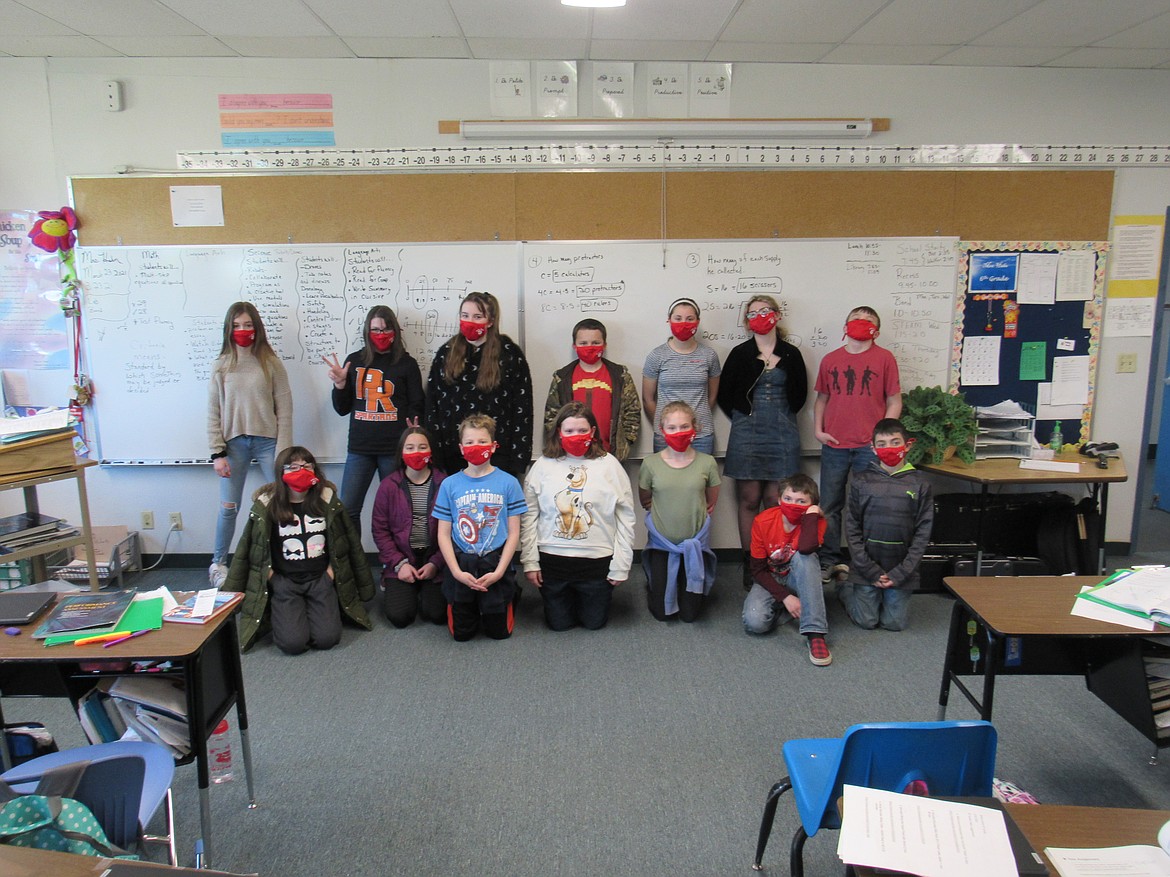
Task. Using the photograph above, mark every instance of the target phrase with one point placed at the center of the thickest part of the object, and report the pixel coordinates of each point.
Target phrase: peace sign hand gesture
(337, 372)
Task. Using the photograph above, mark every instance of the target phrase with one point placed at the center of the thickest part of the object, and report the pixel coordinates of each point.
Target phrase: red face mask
(892, 456)
(244, 337)
(590, 353)
(300, 480)
(792, 511)
(477, 455)
(684, 331)
(417, 460)
(471, 330)
(762, 324)
(382, 341)
(861, 330)
(679, 441)
(576, 445)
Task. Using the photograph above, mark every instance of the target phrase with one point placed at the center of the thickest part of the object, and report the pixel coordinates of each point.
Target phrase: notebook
(21, 608)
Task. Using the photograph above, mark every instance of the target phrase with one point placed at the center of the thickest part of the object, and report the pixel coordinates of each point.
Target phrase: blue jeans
(241, 450)
(704, 444)
(868, 606)
(761, 610)
(355, 481)
(836, 464)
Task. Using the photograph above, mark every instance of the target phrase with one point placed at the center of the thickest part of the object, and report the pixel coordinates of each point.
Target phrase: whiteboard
(910, 282)
(153, 326)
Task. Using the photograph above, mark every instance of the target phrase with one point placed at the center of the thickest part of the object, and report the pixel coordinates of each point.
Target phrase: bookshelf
(54, 461)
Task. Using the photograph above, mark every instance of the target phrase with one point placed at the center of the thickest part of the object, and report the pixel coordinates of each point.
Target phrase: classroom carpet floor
(644, 748)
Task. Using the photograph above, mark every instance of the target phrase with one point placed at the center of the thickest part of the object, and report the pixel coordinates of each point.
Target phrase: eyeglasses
(762, 312)
(381, 331)
(297, 467)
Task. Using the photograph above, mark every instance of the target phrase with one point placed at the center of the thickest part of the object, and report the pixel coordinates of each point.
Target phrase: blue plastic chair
(123, 785)
(951, 758)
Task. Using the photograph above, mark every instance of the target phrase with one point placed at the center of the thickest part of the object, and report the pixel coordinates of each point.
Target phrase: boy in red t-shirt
(857, 385)
(785, 570)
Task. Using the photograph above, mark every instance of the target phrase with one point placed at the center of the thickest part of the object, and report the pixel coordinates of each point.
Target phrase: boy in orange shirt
(785, 570)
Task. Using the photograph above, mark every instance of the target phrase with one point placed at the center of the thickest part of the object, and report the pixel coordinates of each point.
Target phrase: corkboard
(598, 205)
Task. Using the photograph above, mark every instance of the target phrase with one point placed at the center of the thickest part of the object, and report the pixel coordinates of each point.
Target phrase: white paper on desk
(1132, 861)
(1070, 380)
(980, 361)
(204, 603)
(57, 418)
(169, 601)
(1091, 609)
(923, 836)
(1074, 276)
(1036, 284)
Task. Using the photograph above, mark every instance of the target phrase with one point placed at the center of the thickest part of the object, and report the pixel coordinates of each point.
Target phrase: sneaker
(818, 651)
(217, 575)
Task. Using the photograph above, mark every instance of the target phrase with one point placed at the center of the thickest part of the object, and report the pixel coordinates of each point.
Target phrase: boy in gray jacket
(888, 518)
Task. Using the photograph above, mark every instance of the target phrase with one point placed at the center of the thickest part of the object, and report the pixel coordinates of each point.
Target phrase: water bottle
(219, 754)
(1057, 439)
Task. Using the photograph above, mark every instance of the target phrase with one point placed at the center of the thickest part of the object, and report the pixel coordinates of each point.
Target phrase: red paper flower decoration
(54, 230)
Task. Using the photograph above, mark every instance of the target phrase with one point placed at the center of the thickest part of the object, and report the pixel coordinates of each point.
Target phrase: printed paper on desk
(923, 836)
(1098, 612)
(1133, 861)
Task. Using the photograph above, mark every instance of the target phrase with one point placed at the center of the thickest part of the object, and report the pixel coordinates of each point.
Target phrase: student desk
(206, 656)
(1022, 626)
(1052, 825)
(1003, 471)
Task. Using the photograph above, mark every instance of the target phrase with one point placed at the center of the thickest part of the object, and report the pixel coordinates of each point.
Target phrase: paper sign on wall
(613, 89)
(666, 91)
(556, 89)
(511, 89)
(710, 87)
(980, 363)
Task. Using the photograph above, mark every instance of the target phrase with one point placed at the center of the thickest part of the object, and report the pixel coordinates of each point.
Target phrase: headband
(682, 301)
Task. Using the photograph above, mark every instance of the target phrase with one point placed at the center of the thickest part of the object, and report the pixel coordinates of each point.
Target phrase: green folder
(141, 615)
(1092, 595)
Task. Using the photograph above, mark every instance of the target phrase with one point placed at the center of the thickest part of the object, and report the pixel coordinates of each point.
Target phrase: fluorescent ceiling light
(666, 129)
(598, 4)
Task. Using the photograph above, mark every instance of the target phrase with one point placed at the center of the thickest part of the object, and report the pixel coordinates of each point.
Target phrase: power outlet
(1126, 363)
(177, 520)
(148, 520)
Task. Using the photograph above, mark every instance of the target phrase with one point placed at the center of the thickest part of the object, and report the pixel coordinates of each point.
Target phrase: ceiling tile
(20, 21)
(118, 18)
(1001, 56)
(55, 47)
(288, 47)
(525, 50)
(520, 19)
(421, 47)
(783, 53)
(663, 20)
(1148, 35)
(387, 18)
(1070, 22)
(799, 21)
(647, 50)
(935, 22)
(896, 55)
(1091, 56)
(255, 18)
(170, 47)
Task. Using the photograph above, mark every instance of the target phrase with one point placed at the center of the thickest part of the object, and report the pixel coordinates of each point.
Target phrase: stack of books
(1142, 593)
(30, 528)
(1158, 679)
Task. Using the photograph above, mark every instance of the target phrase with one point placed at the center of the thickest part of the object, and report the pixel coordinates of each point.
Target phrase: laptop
(18, 607)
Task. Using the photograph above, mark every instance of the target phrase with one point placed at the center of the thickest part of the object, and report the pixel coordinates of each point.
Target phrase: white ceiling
(1008, 33)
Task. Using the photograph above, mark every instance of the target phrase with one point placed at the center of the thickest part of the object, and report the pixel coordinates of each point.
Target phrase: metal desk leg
(1101, 530)
(241, 708)
(991, 661)
(192, 675)
(979, 529)
(955, 631)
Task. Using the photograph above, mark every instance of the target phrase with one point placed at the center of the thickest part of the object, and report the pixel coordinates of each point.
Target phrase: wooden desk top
(1054, 825)
(172, 642)
(1034, 605)
(1003, 470)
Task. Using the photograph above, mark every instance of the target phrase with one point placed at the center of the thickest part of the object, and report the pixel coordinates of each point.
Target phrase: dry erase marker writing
(123, 639)
(102, 638)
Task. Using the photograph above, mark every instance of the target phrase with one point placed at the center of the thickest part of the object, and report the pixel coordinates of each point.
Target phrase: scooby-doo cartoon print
(574, 515)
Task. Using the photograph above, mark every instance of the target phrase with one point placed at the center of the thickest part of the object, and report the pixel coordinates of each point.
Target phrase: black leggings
(689, 605)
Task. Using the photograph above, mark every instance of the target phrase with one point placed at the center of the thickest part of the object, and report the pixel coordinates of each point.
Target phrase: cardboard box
(38, 454)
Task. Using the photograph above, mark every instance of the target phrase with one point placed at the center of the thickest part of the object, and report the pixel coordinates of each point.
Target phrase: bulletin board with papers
(1028, 326)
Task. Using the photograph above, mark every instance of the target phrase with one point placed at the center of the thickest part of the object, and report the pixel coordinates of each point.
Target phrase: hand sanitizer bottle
(1057, 439)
